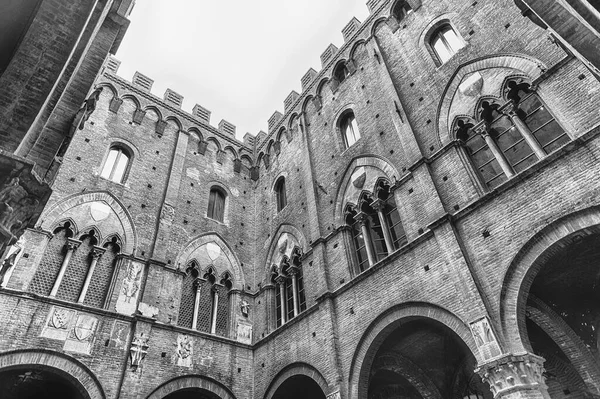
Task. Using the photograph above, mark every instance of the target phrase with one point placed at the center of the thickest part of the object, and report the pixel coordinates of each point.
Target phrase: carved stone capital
(361, 218)
(512, 373)
(72, 244)
(280, 279)
(378, 205)
(293, 270)
(97, 252)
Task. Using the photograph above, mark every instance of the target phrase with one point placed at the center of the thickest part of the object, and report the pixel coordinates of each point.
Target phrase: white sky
(240, 58)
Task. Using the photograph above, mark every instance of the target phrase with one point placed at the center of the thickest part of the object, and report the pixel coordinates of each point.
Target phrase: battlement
(175, 100)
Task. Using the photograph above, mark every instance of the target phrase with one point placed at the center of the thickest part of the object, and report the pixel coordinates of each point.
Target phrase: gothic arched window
(349, 129)
(116, 165)
(341, 72)
(509, 137)
(401, 10)
(280, 193)
(290, 298)
(375, 226)
(216, 204)
(76, 270)
(204, 302)
(445, 42)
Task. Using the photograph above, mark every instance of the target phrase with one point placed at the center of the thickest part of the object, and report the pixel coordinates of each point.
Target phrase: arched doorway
(36, 382)
(562, 315)
(423, 358)
(299, 387)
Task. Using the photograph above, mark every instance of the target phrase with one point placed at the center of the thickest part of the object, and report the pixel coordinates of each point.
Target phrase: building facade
(421, 221)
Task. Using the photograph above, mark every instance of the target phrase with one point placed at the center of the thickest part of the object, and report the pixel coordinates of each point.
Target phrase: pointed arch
(381, 21)
(273, 246)
(215, 142)
(154, 109)
(231, 151)
(373, 161)
(110, 87)
(56, 212)
(175, 121)
(526, 65)
(195, 132)
(187, 254)
(355, 46)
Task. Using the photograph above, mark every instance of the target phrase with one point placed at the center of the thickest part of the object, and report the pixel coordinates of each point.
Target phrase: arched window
(216, 204)
(401, 10)
(76, 270)
(445, 43)
(509, 137)
(281, 194)
(204, 302)
(349, 129)
(290, 299)
(375, 226)
(341, 73)
(116, 164)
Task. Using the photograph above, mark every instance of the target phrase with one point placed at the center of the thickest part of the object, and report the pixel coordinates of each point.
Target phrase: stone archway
(35, 372)
(191, 386)
(550, 302)
(393, 356)
(297, 381)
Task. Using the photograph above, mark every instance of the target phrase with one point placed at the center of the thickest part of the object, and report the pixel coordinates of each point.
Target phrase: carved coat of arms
(60, 318)
(85, 327)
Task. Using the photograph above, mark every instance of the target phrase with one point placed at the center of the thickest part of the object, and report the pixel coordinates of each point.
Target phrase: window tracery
(507, 135)
(375, 225)
(290, 298)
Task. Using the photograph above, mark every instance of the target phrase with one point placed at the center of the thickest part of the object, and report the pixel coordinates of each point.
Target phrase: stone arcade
(421, 221)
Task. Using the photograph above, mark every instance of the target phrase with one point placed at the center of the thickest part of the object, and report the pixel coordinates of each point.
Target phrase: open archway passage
(299, 387)
(563, 318)
(31, 383)
(423, 359)
(192, 393)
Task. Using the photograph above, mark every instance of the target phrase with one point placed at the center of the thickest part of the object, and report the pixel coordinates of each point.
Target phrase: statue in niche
(86, 110)
(245, 308)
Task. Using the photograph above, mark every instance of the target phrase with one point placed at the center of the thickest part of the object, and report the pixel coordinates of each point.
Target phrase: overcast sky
(239, 58)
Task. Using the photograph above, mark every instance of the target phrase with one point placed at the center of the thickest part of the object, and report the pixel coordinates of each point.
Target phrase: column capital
(513, 373)
(72, 244)
(97, 252)
(280, 279)
(378, 204)
(198, 283)
(293, 270)
(361, 218)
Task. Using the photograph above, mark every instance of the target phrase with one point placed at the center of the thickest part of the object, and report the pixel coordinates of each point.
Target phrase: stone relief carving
(168, 213)
(185, 351)
(138, 350)
(130, 287)
(244, 333)
(485, 339)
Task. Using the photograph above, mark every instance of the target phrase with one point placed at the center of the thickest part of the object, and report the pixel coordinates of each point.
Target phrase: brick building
(421, 221)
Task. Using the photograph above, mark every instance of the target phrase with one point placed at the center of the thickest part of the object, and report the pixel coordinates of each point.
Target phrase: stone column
(271, 315)
(506, 168)
(96, 255)
(525, 132)
(294, 273)
(379, 206)
(281, 283)
(213, 321)
(72, 245)
(362, 219)
(198, 288)
(515, 376)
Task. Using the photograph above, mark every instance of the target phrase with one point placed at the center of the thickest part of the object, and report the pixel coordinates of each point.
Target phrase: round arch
(297, 369)
(191, 382)
(529, 261)
(387, 322)
(67, 367)
(54, 213)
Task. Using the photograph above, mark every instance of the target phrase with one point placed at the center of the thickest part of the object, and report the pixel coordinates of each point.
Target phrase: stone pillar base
(515, 376)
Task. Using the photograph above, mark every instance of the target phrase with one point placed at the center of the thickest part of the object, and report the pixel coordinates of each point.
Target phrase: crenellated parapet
(168, 109)
(314, 82)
